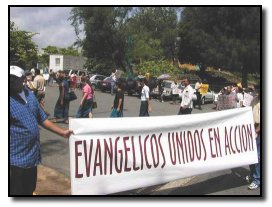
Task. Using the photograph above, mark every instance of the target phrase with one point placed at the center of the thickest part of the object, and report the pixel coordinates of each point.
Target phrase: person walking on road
(255, 168)
(186, 104)
(174, 91)
(39, 86)
(145, 107)
(198, 94)
(73, 81)
(113, 80)
(61, 110)
(24, 141)
(118, 104)
(51, 78)
(86, 103)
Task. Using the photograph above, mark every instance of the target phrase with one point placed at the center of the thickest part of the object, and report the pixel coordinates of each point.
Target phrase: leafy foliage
(23, 51)
(156, 68)
(225, 37)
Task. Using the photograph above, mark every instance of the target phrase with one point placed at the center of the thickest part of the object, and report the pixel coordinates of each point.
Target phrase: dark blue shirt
(24, 140)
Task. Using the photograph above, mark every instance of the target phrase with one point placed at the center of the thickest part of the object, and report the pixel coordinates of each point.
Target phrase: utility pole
(129, 42)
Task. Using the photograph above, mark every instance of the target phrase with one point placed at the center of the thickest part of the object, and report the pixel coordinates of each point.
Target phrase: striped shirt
(24, 140)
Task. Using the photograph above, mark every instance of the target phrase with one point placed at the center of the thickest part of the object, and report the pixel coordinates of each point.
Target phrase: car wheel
(203, 101)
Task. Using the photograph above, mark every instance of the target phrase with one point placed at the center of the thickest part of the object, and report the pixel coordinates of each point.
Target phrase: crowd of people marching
(27, 111)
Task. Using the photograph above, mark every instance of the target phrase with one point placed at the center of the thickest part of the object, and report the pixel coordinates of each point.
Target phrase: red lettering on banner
(145, 153)
(180, 147)
(227, 146)
(185, 145)
(211, 139)
(134, 156)
(240, 138)
(141, 151)
(233, 151)
(197, 149)
(236, 139)
(118, 170)
(108, 153)
(250, 137)
(98, 159)
(126, 154)
(244, 137)
(202, 141)
(87, 157)
(155, 163)
(162, 151)
(243, 134)
(77, 154)
(126, 169)
(191, 146)
(172, 154)
(216, 142)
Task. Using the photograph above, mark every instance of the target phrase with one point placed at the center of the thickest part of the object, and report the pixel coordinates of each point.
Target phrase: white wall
(52, 63)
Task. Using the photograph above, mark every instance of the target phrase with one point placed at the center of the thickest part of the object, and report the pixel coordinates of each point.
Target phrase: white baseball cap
(17, 71)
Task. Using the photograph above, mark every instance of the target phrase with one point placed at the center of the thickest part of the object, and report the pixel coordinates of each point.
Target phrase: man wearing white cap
(25, 116)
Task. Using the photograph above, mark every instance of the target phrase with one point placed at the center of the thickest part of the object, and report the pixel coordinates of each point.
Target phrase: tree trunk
(244, 77)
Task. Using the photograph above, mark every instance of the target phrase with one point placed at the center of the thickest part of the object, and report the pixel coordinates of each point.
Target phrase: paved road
(55, 150)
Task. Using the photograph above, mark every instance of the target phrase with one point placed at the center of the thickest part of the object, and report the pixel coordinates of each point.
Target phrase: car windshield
(167, 84)
(107, 79)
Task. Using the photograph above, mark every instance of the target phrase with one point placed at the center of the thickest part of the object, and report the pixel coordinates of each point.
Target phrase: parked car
(167, 90)
(132, 86)
(208, 97)
(78, 72)
(95, 79)
(105, 84)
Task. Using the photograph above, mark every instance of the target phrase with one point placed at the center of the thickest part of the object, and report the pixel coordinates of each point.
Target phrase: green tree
(154, 33)
(105, 41)
(225, 37)
(23, 51)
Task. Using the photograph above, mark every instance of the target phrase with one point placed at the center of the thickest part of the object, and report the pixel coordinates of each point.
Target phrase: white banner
(113, 155)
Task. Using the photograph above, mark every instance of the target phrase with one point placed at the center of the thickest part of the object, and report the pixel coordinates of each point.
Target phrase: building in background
(65, 62)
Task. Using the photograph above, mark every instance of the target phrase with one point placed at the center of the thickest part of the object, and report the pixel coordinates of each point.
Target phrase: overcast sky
(50, 22)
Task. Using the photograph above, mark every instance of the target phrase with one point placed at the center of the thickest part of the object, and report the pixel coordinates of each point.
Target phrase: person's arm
(149, 105)
(148, 100)
(119, 104)
(54, 128)
(62, 94)
(83, 99)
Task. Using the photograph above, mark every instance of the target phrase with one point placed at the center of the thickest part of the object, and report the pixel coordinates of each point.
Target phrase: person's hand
(257, 130)
(149, 109)
(67, 133)
(118, 109)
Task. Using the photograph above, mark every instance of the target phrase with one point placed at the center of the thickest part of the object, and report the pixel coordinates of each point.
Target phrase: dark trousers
(144, 109)
(198, 101)
(22, 180)
(184, 111)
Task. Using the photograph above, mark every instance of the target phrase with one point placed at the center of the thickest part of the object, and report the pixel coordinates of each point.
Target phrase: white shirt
(197, 85)
(113, 77)
(174, 88)
(187, 97)
(240, 97)
(145, 93)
